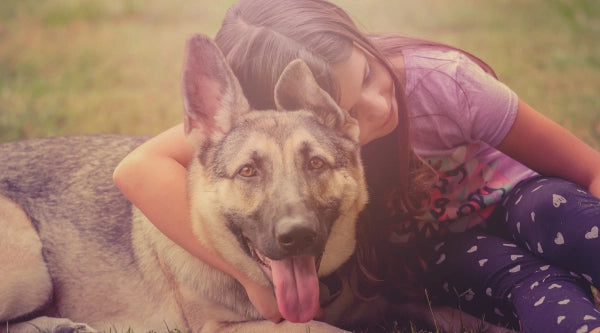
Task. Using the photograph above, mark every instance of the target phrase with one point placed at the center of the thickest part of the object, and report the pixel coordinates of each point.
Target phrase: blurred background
(97, 66)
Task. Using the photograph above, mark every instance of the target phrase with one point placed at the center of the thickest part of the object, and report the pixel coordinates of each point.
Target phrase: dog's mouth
(295, 283)
(265, 262)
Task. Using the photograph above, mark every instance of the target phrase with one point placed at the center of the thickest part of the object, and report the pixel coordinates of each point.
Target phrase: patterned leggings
(534, 274)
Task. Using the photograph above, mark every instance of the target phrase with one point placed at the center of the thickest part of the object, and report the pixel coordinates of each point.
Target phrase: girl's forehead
(349, 75)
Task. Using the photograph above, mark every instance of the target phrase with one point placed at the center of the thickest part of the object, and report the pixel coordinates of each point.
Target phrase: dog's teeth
(262, 260)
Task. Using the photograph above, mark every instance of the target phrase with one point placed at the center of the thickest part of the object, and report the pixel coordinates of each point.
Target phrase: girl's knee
(552, 195)
(549, 204)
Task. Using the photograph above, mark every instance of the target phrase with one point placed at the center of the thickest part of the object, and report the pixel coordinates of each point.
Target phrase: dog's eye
(316, 163)
(247, 171)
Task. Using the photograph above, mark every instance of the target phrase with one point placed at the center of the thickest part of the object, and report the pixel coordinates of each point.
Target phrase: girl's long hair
(260, 38)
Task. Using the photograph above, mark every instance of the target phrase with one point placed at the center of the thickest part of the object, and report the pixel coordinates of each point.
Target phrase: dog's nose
(295, 236)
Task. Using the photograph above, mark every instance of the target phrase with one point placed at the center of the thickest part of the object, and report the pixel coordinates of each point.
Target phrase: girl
(475, 196)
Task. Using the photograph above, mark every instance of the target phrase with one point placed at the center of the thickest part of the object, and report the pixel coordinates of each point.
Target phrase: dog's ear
(212, 94)
(297, 89)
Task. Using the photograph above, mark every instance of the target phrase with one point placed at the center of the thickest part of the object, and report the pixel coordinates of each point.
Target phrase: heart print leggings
(535, 275)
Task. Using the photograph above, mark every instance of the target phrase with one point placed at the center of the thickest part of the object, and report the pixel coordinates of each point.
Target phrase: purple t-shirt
(458, 114)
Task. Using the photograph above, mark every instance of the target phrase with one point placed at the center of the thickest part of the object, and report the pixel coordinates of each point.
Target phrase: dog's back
(59, 192)
(46, 171)
(69, 180)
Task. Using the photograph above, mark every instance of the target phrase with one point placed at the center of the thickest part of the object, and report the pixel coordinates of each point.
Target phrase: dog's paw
(74, 328)
(50, 324)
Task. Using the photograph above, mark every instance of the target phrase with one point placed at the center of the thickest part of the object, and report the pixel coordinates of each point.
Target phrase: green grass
(73, 67)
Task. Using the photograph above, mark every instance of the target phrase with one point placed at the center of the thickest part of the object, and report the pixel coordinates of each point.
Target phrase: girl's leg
(508, 285)
(559, 221)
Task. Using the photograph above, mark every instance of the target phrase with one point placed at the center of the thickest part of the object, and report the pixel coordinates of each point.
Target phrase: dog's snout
(295, 235)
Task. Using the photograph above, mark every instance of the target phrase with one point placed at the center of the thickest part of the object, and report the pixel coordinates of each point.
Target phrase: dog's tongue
(296, 288)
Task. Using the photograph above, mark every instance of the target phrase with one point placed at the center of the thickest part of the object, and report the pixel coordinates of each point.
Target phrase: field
(92, 66)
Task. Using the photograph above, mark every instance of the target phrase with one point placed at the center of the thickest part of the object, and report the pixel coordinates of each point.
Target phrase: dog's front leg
(49, 324)
(268, 327)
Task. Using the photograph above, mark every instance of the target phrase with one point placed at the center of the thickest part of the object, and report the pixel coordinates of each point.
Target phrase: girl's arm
(153, 177)
(551, 150)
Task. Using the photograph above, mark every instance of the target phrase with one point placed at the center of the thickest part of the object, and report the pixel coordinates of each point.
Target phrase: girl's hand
(263, 299)
(594, 187)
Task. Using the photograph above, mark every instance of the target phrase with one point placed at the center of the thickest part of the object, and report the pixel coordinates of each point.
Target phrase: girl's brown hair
(260, 38)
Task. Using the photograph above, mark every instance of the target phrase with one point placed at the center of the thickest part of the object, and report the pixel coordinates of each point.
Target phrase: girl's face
(368, 94)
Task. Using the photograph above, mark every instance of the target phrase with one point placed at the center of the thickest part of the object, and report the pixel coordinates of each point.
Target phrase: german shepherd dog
(276, 193)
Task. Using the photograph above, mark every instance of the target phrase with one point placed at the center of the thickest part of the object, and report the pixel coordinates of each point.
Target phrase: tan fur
(22, 262)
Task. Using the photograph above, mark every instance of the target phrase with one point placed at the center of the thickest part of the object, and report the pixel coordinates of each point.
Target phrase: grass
(93, 66)
(73, 67)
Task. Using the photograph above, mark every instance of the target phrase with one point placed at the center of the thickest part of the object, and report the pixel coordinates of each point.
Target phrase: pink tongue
(296, 288)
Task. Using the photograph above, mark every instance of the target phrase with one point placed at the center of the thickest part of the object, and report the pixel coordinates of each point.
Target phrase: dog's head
(275, 192)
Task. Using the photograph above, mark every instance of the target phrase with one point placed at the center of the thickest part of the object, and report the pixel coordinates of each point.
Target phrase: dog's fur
(279, 186)
(275, 193)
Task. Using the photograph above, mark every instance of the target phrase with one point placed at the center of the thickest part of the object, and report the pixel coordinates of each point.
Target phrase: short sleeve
(492, 106)
(452, 101)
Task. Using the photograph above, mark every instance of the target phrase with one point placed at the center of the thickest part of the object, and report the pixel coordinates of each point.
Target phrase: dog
(275, 193)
